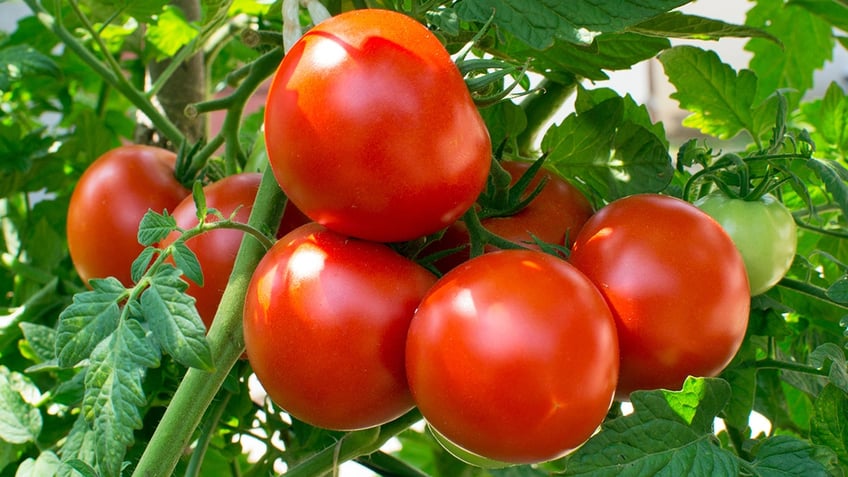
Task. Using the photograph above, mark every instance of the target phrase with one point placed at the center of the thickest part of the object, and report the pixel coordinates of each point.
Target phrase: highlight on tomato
(111, 197)
(676, 285)
(512, 356)
(325, 324)
(371, 130)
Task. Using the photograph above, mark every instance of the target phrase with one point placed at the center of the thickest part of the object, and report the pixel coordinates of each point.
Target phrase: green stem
(226, 340)
(207, 432)
(540, 108)
(809, 290)
(117, 81)
(353, 445)
(770, 363)
(104, 51)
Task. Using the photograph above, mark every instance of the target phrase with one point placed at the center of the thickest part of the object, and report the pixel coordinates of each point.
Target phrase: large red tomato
(371, 130)
(325, 322)
(513, 356)
(216, 250)
(110, 199)
(676, 285)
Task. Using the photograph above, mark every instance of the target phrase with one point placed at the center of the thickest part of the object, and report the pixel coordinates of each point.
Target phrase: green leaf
(785, 456)
(47, 463)
(140, 264)
(806, 45)
(41, 339)
(114, 393)
(838, 291)
(633, 112)
(835, 178)
(831, 352)
(174, 321)
(829, 425)
(609, 153)
(539, 23)
(91, 317)
(199, 201)
(680, 25)
(832, 11)
(669, 433)
(141, 10)
(719, 98)
(829, 117)
(20, 421)
(187, 261)
(154, 227)
(18, 62)
(170, 32)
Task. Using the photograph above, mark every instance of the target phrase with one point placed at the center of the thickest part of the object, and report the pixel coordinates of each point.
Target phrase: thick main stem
(226, 339)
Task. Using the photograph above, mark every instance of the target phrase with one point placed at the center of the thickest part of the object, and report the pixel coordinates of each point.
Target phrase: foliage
(113, 380)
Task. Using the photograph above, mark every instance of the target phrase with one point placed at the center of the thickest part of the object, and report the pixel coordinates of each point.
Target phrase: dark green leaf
(719, 98)
(669, 433)
(633, 112)
(154, 227)
(91, 317)
(113, 392)
(680, 25)
(835, 178)
(21, 61)
(829, 426)
(838, 291)
(836, 356)
(41, 339)
(784, 456)
(140, 264)
(187, 261)
(174, 320)
(20, 421)
(444, 19)
(539, 23)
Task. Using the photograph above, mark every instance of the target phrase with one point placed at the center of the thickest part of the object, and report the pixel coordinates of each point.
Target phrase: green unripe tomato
(764, 232)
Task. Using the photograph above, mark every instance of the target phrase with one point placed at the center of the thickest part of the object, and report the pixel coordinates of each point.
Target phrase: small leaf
(20, 421)
(782, 456)
(187, 261)
(174, 320)
(838, 291)
(91, 317)
(680, 25)
(47, 463)
(154, 227)
(41, 339)
(140, 264)
(838, 368)
(20, 61)
(170, 32)
(835, 178)
(829, 425)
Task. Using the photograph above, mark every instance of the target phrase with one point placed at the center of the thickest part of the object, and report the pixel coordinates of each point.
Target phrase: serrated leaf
(633, 112)
(140, 264)
(829, 117)
(835, 178)
(170, 32)
(79, 445)
(829, 425)
(680, 25)
(785, 456)
(806, 45)
(610, 154)
(47, 463)
(20, 421)
(669, 433)
(91, 317)
(831, 352)
(539, 23)
(174, 321)
(20, 61)
(114, 393)
(833, 12)
(186, 261)
(41, 339)
(719, 98)
(154, 227)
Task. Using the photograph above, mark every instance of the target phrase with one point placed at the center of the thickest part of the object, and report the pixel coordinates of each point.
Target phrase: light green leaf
(719, 98)
(141, 10)
(539, 23)
(829, 425)
(834, 12)
(187, 261)
(91, 317)
(680, 25)
(835, 178)
(154, 227)
(20, 421)
(668, 434)
(47, 463)
(114, 393)
(829, 118)
(41, 339)
(20, 61)
(170, 32)
(787, 456)
(174, 321)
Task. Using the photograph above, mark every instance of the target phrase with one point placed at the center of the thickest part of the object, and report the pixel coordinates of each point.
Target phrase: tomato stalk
(198, 388)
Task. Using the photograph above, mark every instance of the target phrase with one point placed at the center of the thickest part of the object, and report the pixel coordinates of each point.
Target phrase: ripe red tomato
(216, 250)
(110, 199)
(676, 285)
(371, 130)
(325, 322)
(513, 356)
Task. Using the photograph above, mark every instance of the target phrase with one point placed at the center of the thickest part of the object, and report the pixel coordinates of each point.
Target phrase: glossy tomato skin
(325, 322)
(111, 197)
(371, 130)
(513, 356)
(675, 283)
(216, 250)
(763, 230)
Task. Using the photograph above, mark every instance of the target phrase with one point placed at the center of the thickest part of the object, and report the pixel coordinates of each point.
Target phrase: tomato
(763, 230)
(216, 250)
(111, 197)
(371, 130)
(513, 356)
(676, 285)
(325, 322)
(555, 216)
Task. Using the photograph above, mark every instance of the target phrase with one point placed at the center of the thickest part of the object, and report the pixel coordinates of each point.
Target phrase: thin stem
(770, 363)
(810, 290)
(110, 60)
(207, 432)
(226, 341)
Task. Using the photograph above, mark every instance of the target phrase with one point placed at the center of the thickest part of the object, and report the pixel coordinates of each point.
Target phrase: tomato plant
(355, 108)
(107, 205)
(472, 345)
(325, 322)
(763, 230)
(675, 283)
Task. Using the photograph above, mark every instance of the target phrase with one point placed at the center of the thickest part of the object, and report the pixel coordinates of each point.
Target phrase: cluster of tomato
(513, 355)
